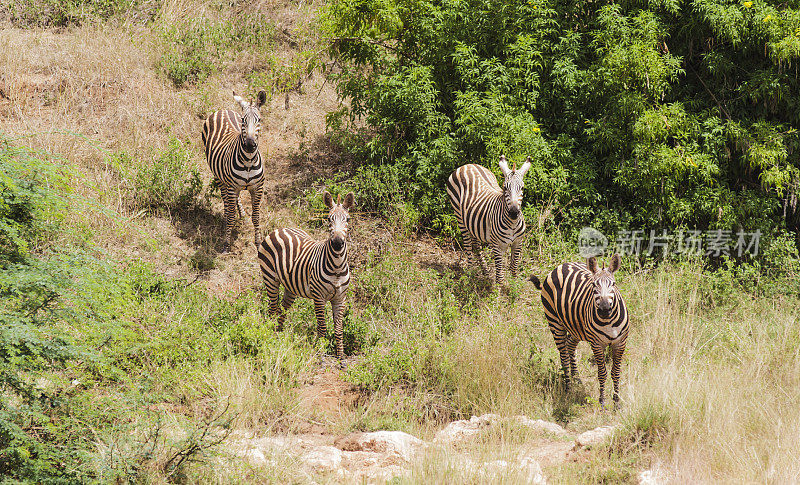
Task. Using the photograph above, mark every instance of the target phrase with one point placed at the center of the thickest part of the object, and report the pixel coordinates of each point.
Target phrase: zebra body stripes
(488, 214)
(582, 303)
(307, 268)
(231, 144)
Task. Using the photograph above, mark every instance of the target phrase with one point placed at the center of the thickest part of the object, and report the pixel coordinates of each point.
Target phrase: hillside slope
(181, 375)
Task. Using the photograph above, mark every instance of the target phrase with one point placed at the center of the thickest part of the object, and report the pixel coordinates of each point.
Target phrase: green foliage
(34, 292)
(194, 49)
(166, 182)
(635, 115)
(280, 76)
(62, 13)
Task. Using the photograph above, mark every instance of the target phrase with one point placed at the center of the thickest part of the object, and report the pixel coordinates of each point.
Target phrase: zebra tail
(535, 282)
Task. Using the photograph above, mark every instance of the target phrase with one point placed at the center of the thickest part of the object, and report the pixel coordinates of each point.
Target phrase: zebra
(487, 214)
(310, 269)
(231, 144)
(582, 303)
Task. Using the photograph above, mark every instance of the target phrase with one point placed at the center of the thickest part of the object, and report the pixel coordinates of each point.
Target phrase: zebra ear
(615, 262)
(591, 263)
(244, 104)
(525, 167)
(262, 98)
(349, 201)
(328, 198)
(503, 165)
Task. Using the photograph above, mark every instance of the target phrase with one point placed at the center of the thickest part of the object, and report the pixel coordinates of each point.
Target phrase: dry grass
(717, 385)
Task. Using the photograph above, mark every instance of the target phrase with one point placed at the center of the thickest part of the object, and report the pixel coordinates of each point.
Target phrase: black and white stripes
(582, 303)
(487, 214)
(306, 268)
(231, 144)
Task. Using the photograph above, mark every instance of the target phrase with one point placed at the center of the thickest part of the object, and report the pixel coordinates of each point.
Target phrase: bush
(628, 123)
(166, 183)
(62, 13)
(195, 48)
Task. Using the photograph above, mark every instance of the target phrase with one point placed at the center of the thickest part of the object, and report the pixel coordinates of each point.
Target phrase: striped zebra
(310, 269)
(582, 303)
(487, 214)
(231, 143)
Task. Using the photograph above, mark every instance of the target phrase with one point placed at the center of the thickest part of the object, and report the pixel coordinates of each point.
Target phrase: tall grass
(713, 388)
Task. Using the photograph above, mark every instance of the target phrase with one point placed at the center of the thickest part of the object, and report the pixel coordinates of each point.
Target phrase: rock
(527, 469)
(532, 471)
(255, 456)
(594, 436)
(459, 430)
(651, 477)
(539, 425)
(323, 458)
(402, 444)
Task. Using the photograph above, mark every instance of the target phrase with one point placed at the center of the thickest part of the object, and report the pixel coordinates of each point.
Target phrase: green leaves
(661, 112)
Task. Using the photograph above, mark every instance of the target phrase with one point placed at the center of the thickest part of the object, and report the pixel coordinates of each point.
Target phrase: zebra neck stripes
(511, 227)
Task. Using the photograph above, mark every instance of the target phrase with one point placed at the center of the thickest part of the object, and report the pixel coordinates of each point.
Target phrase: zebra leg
(473, 245)
(288, 299)
(617, 349)
(476, 250)
(319, 312)
(255, 197)
(599, 359)
(516, 250)
(572, 344)
(230, 199)
(560, 336)
(272, 289)
(499, 267)
(337, 308)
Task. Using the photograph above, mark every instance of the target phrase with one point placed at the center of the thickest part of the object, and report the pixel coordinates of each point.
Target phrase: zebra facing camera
(591, 242)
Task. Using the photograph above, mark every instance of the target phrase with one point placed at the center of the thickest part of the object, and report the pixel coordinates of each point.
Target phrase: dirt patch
(326, 396)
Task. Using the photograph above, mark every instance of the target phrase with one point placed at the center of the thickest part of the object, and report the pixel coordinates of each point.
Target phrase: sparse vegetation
(131, 351)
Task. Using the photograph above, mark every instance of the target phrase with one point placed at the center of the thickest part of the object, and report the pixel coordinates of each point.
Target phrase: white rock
(651, 477)
(459, 430)
(539, 425)
(255, 456)
(532, 471)
(402, 444)
(491, 471)
(594, 436)
(323, 458)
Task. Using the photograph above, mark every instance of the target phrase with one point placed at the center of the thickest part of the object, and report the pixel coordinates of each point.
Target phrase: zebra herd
(581, 300)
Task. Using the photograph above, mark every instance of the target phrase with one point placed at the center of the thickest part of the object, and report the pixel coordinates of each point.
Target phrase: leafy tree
(636, 114)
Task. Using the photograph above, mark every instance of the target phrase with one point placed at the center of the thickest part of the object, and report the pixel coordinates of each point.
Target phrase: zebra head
(337, 218)
(513, 185)
(251, 121)
(605, 293)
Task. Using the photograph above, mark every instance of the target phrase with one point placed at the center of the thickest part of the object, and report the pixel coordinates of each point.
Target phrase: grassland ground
(185, 355)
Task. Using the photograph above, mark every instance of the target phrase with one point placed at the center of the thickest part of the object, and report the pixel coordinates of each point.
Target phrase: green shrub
(36, 293)
(199, 47)
(628, 123)
(165, 183)
(62, 13)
